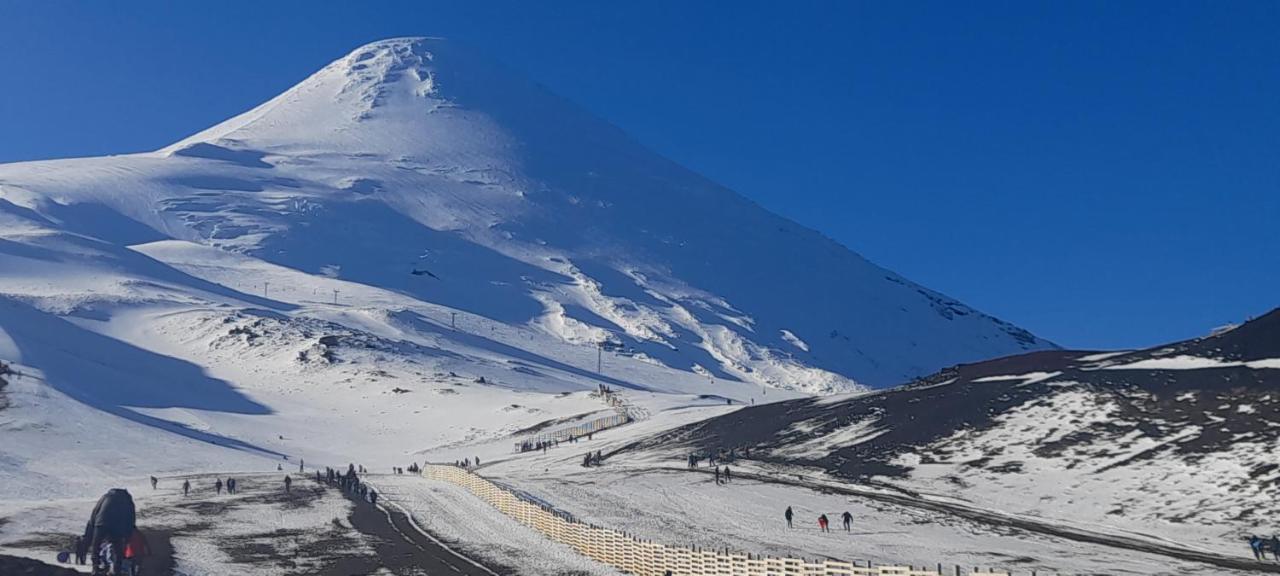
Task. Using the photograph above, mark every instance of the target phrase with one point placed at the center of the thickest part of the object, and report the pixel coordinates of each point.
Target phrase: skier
(186, 487)
(822, 523)
(789, 515)
(154, 481)
(287, 482)
(218, 486)
(848, 520)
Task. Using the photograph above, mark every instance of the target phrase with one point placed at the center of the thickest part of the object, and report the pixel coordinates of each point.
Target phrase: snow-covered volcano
(414, 166)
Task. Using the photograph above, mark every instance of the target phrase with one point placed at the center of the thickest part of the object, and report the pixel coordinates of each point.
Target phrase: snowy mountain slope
(414, 166)
(1173, 442)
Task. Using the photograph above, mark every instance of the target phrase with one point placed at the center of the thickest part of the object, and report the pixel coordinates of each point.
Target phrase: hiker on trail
(218, 486)
(789, 514)
(135, 549)
(717, 475)
(1255, 543)
(231, 485)
(154, 481)
(373, 497)
(81, 550)
(728, 476)
(287, 482)
(186, 487)
(848, 520)
(823, 523)
(113, 520)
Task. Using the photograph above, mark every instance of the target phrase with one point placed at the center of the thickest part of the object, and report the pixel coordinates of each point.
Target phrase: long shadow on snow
(101, 237)
(421, 324)
(115, 376)
(370, 243)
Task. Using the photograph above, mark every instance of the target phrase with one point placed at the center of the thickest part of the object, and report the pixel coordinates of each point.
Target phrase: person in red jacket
(135, 549)
(822, 523)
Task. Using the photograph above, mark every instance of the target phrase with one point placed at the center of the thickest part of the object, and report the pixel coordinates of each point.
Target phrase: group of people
(350, 482)
(231, 484)
(592, 459)
(465, 462)
(1260, 546)
(824, 525)
(111, 542)
(543, 445)
(413, 469)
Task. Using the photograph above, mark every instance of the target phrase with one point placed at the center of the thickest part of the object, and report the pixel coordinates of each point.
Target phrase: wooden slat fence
(646, 558)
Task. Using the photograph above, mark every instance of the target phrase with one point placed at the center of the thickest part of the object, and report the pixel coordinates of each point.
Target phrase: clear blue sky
(1104, 174)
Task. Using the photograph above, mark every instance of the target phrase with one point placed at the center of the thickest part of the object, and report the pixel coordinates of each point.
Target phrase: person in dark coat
(288, 482)
(373, 497)
(218, 486)
(848, 520)
(113, 520)
(1275, 545)
(154, 481)
(82, 550)
(789, 515)
(186, 487)
(1255, 543)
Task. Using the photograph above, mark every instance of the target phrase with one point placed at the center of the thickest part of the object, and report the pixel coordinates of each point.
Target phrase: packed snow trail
(420, 549)
(897, 495)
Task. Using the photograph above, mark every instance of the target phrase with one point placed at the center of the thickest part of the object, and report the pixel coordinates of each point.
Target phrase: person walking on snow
(789, 515)
(822, 523)
(1255, 543)
(1275, 546)
(287, 482)
(848, 520)
(218, 486)
(154, 481)
(373, 497)
(717, 475)
(231, 485)
(728, 476)
(186, 487)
